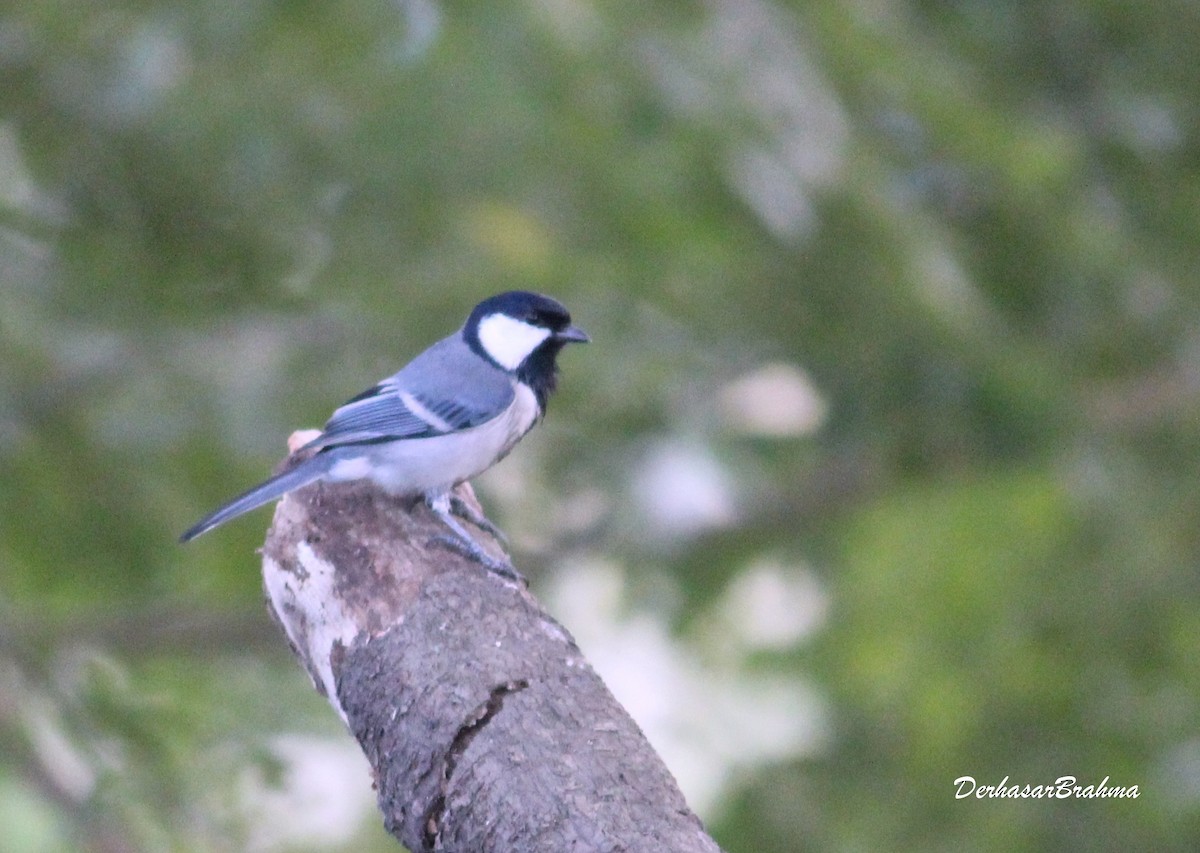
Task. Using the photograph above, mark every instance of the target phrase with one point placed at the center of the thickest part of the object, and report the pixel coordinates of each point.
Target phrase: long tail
(276, 487)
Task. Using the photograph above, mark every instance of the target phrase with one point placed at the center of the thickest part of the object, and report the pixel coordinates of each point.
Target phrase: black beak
(572, 335)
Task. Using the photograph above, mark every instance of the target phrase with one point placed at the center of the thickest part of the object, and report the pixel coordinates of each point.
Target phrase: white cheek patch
(509, 341)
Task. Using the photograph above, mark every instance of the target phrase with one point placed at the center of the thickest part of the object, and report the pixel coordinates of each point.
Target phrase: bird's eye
(547, 319)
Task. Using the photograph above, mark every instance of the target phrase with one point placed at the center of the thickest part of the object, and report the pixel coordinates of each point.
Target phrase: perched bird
(450, 414)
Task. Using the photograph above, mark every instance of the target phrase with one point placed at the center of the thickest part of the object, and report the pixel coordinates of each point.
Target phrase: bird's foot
(462, 543)
(466, 512)
(470, 550)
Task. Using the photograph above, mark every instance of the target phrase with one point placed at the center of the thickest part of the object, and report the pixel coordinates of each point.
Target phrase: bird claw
(466, 512)
(470, 550)
(462, 543)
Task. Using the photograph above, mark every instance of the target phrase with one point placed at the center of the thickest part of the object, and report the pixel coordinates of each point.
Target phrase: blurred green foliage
(974, 226)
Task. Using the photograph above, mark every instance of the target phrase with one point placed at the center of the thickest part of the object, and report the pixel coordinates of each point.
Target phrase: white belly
(437, 464)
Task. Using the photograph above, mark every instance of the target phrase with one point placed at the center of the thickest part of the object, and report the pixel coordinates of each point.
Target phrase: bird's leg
(462, 542)
(468, 513)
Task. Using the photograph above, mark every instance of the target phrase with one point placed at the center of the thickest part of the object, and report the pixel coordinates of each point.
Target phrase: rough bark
(486, 728)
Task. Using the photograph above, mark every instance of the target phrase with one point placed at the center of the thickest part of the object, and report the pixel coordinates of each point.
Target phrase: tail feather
(274, 488)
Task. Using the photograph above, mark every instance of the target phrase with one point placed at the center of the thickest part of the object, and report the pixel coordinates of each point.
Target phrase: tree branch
(486, 728)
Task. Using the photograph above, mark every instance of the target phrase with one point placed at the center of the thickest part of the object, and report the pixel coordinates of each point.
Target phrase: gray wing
(444, 389)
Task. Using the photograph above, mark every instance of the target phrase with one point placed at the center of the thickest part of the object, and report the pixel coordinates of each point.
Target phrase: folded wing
(421, 401)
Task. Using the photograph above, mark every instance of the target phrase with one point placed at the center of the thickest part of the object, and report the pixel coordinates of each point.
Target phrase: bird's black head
(522, 333)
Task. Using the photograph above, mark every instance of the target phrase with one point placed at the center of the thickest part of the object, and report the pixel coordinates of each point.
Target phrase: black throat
(540, 371)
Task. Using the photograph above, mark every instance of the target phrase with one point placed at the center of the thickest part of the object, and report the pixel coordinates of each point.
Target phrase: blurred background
(881, 470)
